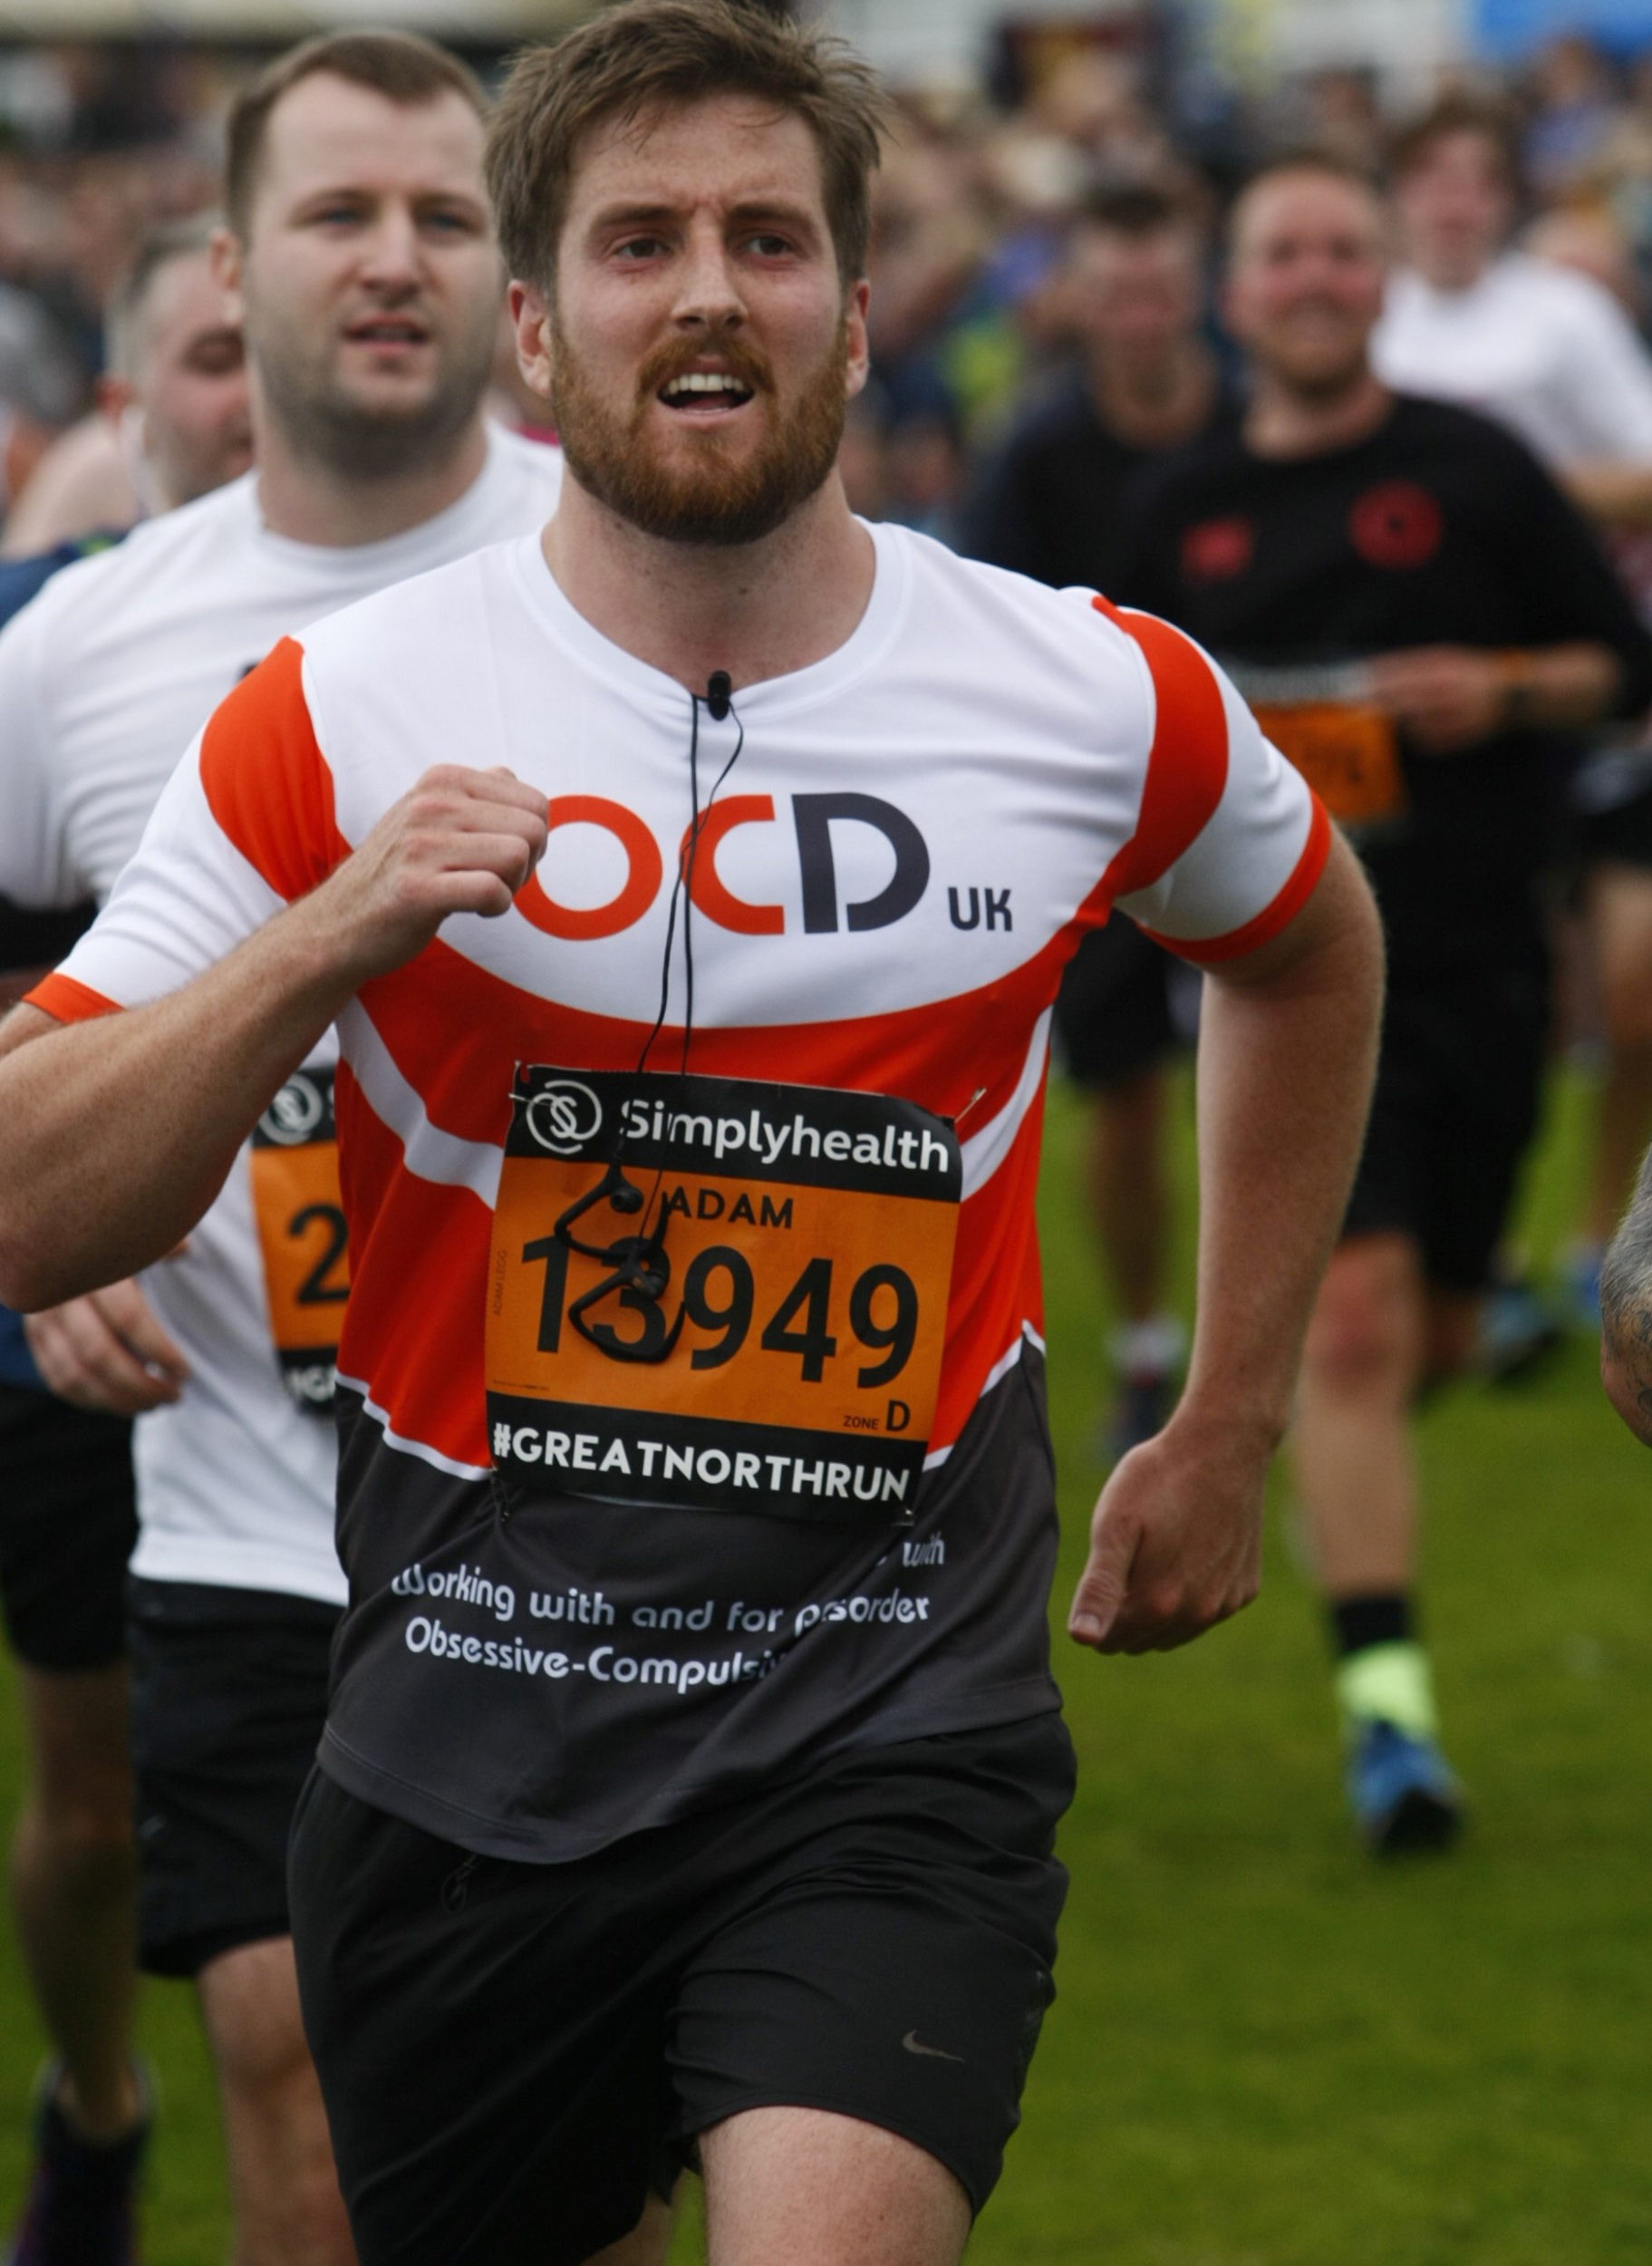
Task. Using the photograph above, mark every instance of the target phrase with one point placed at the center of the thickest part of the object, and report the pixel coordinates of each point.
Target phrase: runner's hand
(107, 1352)
(1175, 1542)
(1445, 697)
(460, 841)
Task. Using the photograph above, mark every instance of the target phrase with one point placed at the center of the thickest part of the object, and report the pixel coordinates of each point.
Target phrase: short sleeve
(1230, 840)
(244, 827)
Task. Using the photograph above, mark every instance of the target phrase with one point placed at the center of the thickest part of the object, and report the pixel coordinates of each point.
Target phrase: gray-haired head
(123, 318)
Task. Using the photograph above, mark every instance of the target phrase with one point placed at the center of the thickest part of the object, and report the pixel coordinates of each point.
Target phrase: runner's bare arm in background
(1286, 1053)
(120, 1132)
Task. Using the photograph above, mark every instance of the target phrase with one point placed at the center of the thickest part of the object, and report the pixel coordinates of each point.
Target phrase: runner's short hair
(1311, 159)
(1134, 208)
(646, 55)
(399, 65)
(124, 315)
(1459, 114)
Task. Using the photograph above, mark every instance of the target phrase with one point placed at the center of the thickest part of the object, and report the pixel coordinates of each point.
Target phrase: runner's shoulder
(158, 557)
(988, 627)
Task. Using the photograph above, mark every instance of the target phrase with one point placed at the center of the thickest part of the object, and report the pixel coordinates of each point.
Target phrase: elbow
(27, 1282)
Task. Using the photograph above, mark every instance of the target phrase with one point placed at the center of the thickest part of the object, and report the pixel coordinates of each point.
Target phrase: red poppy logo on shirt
(1217, 549)
(1397, 524)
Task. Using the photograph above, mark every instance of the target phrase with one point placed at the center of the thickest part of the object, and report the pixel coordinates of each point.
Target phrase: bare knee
(250, 2001)
(1364, 1343)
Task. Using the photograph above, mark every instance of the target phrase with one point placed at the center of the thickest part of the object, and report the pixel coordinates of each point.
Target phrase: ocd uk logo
(814, 820)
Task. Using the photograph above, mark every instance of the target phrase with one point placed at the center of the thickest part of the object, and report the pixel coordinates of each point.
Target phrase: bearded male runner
(361, 251)
(693, 1763)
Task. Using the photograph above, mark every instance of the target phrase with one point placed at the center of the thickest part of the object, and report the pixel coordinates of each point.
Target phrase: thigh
(892, 1966)
(68, 1524)
(1619, 901)
(799, 2187)
(229, 1695)
(490, 2038)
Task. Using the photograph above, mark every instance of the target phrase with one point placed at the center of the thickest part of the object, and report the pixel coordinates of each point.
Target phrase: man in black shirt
(1420, 619)
(1047, 506)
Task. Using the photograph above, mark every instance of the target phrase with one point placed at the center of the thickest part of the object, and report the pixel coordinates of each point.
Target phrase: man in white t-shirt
(361, 251)
(691, 888)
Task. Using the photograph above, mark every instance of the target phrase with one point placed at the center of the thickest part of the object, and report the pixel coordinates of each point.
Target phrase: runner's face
(1305, 285)
(371, 280)
(1454, 209)
(1135, 296)
(189, 386)
(696, 248)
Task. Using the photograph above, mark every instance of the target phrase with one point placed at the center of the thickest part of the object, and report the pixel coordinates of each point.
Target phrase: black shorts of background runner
(1124, 1006)
(68, 1524)
(1620, 835)
(513, 2054)
(229, 1693)
(1458, 1083)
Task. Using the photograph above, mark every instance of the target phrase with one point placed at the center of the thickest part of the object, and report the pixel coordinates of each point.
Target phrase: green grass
(1265, 2052)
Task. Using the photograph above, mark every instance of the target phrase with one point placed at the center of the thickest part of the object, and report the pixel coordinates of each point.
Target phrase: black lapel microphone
(720, 694)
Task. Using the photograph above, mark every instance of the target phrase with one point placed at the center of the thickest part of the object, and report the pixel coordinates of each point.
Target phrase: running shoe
(1519, 1330)
(82, 2208)
(1405, 1799)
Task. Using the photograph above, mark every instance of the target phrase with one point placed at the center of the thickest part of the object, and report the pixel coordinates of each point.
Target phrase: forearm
(1286, 1061)
(119, 1132)
(1560, 688)
(1615, 493)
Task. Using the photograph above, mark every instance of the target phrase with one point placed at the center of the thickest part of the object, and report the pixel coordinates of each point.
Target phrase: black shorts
(1458, 1085)
(229, 1694)
(1125, 1003)
(513, 2054)
(68, 1524)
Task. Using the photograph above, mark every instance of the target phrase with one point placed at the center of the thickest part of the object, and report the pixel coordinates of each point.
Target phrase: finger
(106, 1368)
(84, 1363)
(128, 1314)
(1104, 1582)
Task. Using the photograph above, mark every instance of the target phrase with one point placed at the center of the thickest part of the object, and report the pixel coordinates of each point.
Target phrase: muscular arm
(120, 1132)
(1286, 1053)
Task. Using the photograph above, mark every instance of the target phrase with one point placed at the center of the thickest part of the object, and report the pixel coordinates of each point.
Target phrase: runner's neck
(1282, 422)
(308, 501)
(756, 610)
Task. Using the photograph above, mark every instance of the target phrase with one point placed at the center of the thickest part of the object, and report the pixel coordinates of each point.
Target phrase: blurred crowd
(976, 304)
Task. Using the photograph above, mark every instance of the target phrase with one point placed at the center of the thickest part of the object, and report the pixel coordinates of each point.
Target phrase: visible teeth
(705, 382)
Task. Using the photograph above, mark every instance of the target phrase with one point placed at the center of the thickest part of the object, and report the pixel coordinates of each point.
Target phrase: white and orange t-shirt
(590, 1588)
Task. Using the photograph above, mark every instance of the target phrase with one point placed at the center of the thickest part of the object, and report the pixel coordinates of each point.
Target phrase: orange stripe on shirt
(1187, 767)
(1211, 951)
(69, 1001)
(266, 780)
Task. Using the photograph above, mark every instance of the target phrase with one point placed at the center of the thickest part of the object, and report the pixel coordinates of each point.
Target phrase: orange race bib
(301, 1231)
(1348, 753)
(719, 1293)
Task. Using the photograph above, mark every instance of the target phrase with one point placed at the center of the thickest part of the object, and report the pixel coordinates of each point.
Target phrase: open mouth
(705, 392)
(388, 330)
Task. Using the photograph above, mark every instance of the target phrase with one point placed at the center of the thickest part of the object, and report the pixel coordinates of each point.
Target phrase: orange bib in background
(299, 1217)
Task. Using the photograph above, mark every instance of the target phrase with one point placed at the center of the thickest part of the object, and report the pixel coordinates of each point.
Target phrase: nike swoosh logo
(933, 2053)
